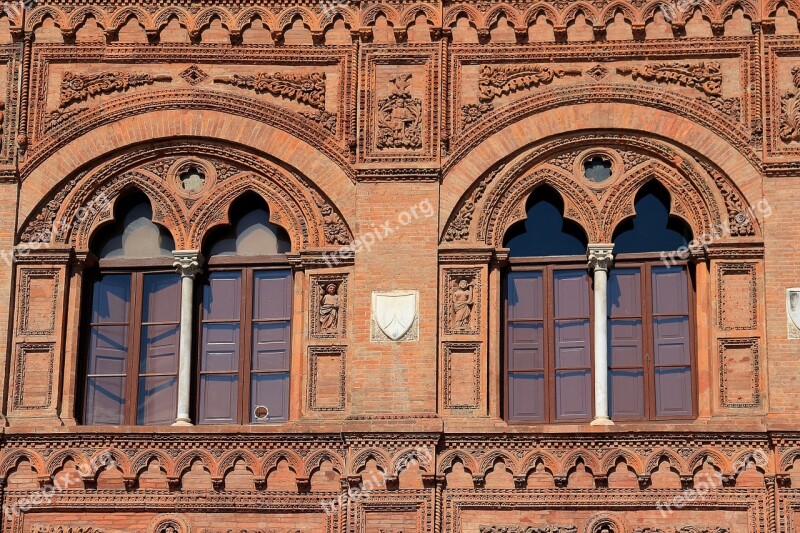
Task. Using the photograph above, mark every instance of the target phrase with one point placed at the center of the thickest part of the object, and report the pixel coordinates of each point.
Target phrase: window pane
(219, 398)
(526, 395)
(270, 346)
(220, 351)
(624, 293)
(626, 393)
(111, 299)
(573, 394)
(670, 291)
(525, 350)
(158, 400)
(222, 296)
(571, 292)
(671, 336)
(162, 298)
(525, 297)
(271, 391)
(674, 391)
(105, 401)
(272, 297)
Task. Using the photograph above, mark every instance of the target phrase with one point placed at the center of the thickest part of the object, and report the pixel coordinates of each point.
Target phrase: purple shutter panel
(108, 351)
(626, 362)
(158, 362)
(526, 379)
(272, 310)
(219, 357)
(573, 365)
(672, 359)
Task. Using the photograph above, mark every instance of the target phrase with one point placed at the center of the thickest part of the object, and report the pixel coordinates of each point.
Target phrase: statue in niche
(463, 300)
(329, 309)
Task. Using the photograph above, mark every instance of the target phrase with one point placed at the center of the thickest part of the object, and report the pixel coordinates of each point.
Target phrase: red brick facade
(417, 132)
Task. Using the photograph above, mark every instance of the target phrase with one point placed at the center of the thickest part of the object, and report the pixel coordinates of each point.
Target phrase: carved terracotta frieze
(496, 81)
(399, 116)
(705, 76)
(77, 88)
(528, 529)
(304, 88)
(790, 111)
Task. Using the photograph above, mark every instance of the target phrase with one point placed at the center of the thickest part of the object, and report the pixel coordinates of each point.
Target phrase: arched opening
(245, 312)
(650, 320)
(131, 321)
(547, 316)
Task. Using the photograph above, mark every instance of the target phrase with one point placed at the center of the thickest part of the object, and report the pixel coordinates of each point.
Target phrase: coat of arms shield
(394, 312)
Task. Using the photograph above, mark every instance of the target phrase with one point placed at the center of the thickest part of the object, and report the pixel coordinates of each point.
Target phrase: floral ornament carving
(472, 113)
(494, 82)
(740, 217)
(76, 88)
(459, 228)
(335, 230)
(64, 529)
(323, 118)
(705, 76)
(304, 88)
(400, 116)
(790, 111)
(528, 529)
(684, 529)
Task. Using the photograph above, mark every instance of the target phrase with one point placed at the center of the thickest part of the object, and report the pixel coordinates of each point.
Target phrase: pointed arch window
(132, 325)
(245, 320)
(548, 315)
(650, 320)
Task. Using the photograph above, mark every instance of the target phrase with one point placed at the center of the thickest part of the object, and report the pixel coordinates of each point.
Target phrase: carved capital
(600, 256)
(187, 262)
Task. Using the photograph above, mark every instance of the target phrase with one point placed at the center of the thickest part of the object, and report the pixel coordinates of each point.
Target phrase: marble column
(187, 263)
(600, 257)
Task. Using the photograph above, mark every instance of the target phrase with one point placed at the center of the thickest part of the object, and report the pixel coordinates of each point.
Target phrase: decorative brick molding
(740, 380)
(327, 378)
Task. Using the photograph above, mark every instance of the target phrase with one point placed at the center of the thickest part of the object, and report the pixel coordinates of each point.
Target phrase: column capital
(187, 262)
(600, 256)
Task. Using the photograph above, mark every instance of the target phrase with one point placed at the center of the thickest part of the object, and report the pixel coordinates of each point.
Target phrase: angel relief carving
(400, 116)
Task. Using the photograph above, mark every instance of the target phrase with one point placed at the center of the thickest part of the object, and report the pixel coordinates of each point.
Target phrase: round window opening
(597, 168)
(261, 412)
(192, 179)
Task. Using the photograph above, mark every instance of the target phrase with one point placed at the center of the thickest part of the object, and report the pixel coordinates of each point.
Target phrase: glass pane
(220, 347)
(572, 344)
(158, 400)
(670, 291)
(108, 350)
(159, 350)
(525, 297)
(105, 401)
(525, 346)
(674, 391)
(270, 346)
(222, 296)
(526, 395)
(573, 394)
(571, 292)
(626, 393)
(272, 294)
(162, 298)
(272, 392)
(111, 298)
(625, 292)
(219, 398)
(671, 336)
(625, 342)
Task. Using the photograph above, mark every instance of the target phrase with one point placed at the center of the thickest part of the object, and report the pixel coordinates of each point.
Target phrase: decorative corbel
(639, 32)
(218, 483)
(520, 482)
(303, 484)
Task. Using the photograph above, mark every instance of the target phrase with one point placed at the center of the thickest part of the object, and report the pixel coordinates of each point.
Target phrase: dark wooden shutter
(571, 337)
(272, 310)
(158, 360)
(625, 343)
(219, 357)
(672, 361)
(108, 350)
(525, 346)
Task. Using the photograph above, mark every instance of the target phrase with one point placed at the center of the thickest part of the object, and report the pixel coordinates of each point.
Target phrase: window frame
(547, 266)
(645, 263)
(247, 265)
(136, 269)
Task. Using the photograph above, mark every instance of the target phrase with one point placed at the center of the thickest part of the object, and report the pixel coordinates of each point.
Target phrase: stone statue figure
(463, 301)
(329, 309)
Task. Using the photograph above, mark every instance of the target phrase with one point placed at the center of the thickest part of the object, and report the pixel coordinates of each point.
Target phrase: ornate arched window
(132, 321)
(245, 315)
(650, 322)
(548, 312)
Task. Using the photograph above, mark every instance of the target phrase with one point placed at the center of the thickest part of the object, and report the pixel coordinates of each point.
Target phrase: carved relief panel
(328, 306)
(399, 102)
